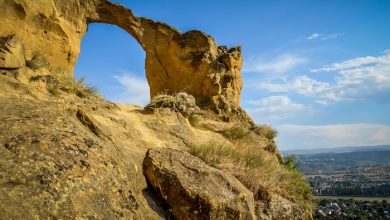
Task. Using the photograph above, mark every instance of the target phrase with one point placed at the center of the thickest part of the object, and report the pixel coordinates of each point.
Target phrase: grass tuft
(37, 61)
(236, 132)
(266, 131)
(195, 119)
(88, 88)
(257, 169)
(79, 87)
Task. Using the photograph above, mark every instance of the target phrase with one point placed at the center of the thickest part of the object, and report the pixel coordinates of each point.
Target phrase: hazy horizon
(319, 72)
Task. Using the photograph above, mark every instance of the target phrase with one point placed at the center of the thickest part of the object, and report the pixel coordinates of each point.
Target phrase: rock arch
(175, 61)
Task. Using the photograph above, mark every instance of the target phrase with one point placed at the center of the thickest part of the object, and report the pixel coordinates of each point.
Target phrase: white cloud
(362, 77)
(334, 135)
(318, 36)
(135, 90)
(280, 64)
(358, 78)
(302, 85)
(274, 107)
(355, 63)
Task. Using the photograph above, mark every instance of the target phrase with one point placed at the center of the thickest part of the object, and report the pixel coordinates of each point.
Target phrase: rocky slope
(67, 153)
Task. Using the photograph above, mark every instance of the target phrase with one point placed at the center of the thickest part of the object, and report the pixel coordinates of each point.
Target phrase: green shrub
(289, 162)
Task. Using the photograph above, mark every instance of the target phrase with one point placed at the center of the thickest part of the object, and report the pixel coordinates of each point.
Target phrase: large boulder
(194, 190)
(11, 52)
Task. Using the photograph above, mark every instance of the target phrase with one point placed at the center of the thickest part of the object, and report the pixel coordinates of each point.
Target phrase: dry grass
(235, 132)
(54, 90)
(257, 169)
(195, 119)
(59, 79)
(78, 87)
(37, 61)
(164, 100)
(265, 131)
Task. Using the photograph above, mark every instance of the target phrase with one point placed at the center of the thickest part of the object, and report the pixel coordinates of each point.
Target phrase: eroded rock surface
(67, 157)
(11, 53)
(194, 190)
(281, 209)
(66, 153)
(175, 61)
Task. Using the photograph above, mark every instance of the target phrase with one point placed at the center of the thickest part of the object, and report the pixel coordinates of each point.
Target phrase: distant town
(348, 183)
(332, 208)
(372, 181)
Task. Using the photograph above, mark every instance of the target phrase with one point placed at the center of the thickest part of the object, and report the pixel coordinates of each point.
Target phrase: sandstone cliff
(67, 153)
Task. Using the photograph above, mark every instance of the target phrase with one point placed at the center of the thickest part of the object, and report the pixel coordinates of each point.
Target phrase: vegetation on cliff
(256, 169)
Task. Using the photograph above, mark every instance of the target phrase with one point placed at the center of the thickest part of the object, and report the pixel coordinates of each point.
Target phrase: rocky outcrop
(280, 208)
(194, 190)
(180, 102)
(175, 61)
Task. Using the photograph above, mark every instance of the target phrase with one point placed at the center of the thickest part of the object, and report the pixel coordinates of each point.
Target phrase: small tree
(289, 162)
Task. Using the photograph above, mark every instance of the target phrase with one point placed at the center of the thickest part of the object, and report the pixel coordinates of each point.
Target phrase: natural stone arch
(175, 62)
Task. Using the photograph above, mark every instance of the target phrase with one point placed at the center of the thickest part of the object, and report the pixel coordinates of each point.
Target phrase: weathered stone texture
(11, 53)
(194, 190)
(175, 62)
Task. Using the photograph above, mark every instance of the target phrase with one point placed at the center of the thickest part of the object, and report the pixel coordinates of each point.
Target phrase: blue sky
(317, 71)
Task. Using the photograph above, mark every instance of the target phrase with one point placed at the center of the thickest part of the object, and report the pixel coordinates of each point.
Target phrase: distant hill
(338, 150)
(350, 158)
(341, 159)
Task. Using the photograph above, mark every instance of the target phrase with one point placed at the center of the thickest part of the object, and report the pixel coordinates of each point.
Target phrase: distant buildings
(330, 208)
(347, 187)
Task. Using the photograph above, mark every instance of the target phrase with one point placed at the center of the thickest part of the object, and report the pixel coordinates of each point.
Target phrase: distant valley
(335, 174)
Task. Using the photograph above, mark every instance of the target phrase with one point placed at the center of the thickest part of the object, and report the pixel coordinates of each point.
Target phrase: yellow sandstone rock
(66, 153)
(175, 62)
(11, 53)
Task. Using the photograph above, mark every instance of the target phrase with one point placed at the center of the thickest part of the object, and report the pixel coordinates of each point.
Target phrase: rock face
(175, 62)
(11, 53)
(194, 190)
